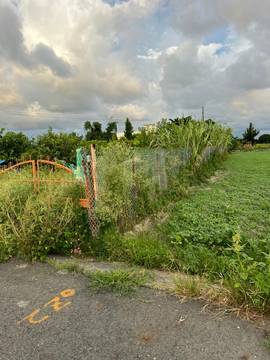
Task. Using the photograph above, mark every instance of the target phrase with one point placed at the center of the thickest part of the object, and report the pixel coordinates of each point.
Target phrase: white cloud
(67, 61)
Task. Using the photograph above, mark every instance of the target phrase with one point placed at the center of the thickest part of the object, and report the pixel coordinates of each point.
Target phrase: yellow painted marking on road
(67, 293)
(31, 320)
(56, 304)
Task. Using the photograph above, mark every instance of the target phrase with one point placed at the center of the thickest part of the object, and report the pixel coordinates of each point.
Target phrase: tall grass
(194, 136)
(135, 182)
(33, 225)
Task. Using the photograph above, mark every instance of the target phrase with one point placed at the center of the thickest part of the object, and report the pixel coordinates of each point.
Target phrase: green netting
(78, 170)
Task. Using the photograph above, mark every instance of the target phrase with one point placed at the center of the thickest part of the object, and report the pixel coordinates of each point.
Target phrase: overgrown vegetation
(122, 282)
(133, 183)
(221, 232)
(35, 225)
(136, 182)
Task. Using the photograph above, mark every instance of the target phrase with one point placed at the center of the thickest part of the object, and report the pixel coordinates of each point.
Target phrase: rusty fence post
(38, 177)
(34, 174)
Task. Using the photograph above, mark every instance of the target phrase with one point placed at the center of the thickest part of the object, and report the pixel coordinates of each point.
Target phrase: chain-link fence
(130, 184)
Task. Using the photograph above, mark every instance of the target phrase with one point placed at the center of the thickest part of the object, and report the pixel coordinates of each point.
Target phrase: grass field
(235, 204)
(219, 231)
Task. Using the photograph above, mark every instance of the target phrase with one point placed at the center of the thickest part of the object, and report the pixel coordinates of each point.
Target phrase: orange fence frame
(36, 180)
(36, 172)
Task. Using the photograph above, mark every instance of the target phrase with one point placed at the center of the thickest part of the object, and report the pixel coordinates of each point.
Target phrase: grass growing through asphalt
(118, 281)
(121, 281)
(70, 266)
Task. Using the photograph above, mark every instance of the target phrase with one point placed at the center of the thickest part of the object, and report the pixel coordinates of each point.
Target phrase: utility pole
(203, 113)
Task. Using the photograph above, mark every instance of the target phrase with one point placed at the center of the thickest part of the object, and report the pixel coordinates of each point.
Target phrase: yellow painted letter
(31, 320)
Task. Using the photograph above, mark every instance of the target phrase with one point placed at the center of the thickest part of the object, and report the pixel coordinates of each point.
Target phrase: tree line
(250, 136)
(16, 146)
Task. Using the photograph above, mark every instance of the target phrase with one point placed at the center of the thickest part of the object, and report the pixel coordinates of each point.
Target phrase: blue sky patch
(218, 36)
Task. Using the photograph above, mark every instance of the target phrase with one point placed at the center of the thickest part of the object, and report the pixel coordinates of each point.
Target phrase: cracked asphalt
(49, 315)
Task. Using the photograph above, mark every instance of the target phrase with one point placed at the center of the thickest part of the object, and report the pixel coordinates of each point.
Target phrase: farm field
(219, 231)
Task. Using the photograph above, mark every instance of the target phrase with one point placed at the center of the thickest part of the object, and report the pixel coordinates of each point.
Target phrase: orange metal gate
(36, 179)
(31, 172)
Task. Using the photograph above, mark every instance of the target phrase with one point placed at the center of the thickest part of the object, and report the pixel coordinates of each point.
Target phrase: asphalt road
(49, 315)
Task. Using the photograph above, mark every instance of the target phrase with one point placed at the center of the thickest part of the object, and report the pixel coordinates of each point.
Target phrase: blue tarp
(3, 162)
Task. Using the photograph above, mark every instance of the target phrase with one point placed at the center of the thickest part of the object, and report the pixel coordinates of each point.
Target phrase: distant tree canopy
(250, 134)
(13, 144)
(128, 130)
(264, 139)
(53, 145)
(184, 120)
(210, 121)
(93, 131)
(111, 131)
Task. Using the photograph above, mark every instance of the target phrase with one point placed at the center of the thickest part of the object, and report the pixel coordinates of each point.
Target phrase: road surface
(50, 315)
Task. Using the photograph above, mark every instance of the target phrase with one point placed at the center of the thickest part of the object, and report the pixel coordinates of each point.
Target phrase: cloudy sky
(66, 61)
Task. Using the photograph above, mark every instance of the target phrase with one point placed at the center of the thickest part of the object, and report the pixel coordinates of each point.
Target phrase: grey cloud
(11, 38)
(182, 68)
(195, 18)
(187, 83)
(13, 49)
(251, 71)
(199, 17)
(44, 55)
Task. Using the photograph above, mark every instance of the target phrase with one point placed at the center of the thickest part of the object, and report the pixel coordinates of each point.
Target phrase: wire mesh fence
(131, 183)
(116, 183)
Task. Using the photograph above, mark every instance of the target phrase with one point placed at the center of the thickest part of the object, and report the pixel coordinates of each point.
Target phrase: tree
(250, 134)
(13, 145)
(128, 130)
(210, 122)
(182, 120)
(61, 146)
(111, 131)
(264, 139)
(93, 131)
(97, 131)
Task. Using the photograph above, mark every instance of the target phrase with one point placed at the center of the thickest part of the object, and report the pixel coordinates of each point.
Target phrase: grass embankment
(221, 232)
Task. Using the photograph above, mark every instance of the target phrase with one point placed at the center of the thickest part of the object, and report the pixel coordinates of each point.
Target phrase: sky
(67, 61)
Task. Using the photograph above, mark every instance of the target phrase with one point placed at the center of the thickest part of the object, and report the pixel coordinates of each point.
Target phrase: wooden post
(133, 166)
(34, 174)
(94, 169)
(38, 177)
(158, 169)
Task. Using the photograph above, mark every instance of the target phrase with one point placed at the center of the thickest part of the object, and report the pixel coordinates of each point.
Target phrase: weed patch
(35, 225)
(121, 282)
